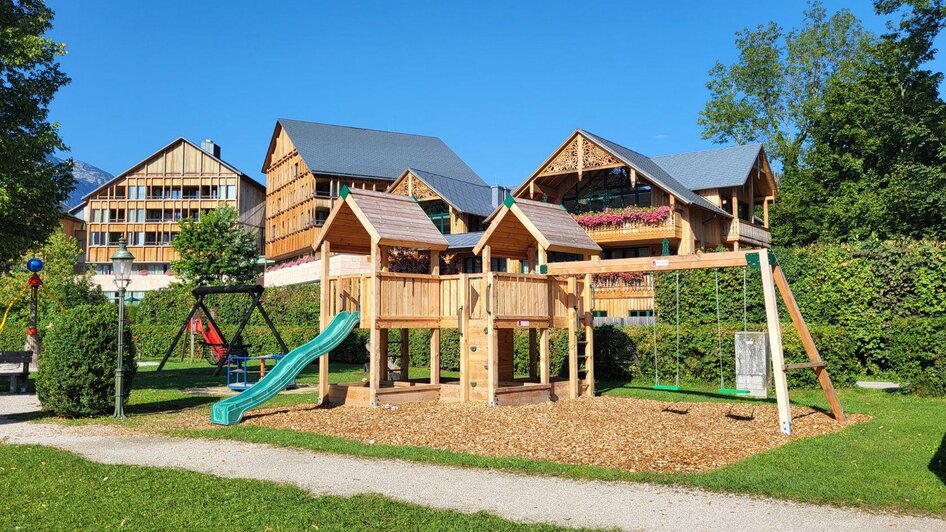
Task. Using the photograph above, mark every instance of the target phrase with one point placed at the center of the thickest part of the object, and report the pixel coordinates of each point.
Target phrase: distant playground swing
(222, 352)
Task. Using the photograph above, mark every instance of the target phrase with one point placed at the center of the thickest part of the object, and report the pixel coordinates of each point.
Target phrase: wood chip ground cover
(620, 433)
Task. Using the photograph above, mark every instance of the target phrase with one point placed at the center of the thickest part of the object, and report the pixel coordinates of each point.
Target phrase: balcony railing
(672, 227)
(747, 233)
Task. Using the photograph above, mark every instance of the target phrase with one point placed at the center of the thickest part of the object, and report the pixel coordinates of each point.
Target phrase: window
(524, 266)
(119, 193)
(96, 238)
(136, 215)
(599, 313)
(96, 215)
(323, 188)
(103, 269)
(439, 214)
(640, 313)
(295, 169)
(230, 192)
(472, 265)
(113, 237)
(558, 256)
(321, 215)
(608, 190)
(497, 265)
(136, 238)
(137, 192)
(627, 253)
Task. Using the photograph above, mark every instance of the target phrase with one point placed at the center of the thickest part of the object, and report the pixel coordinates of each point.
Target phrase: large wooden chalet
(307, 164)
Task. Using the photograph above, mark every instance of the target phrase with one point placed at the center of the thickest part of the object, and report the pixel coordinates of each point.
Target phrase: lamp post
(121, 269)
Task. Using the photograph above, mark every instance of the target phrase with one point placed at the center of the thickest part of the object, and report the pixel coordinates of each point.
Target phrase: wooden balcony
(671, 228)
(747, 233)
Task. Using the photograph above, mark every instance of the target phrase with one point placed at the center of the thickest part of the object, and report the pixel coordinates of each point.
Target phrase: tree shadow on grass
(937, 464)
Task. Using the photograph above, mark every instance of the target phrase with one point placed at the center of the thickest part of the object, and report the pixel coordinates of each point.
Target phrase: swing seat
(666, 387)
(733, 391)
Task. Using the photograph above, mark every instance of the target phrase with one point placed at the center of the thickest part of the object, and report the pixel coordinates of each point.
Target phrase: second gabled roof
(719, 168)
(464, 196)
(351, 151)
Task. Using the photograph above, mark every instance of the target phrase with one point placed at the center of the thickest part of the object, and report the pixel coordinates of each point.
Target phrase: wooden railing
(409, 295)
(520, 296)
(743, 231)
(346, 294)
(672, 227)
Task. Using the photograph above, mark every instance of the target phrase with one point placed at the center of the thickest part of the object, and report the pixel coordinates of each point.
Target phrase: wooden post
(435, 332)
(405, 355)
(541, 258)
(533, 355)
(463, 324)
(589, 337)
(375, 363)
(325, 310)
(775, 344)
(765, 211)
(809, 343)
(492, 338)
(572, 338)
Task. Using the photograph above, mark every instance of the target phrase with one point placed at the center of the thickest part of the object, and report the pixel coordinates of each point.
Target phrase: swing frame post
(775, 344)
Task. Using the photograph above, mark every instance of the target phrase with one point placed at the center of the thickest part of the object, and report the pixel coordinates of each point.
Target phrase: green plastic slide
(230, 411)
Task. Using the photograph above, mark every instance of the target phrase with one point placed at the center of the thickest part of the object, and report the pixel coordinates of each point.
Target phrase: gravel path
(517, 497)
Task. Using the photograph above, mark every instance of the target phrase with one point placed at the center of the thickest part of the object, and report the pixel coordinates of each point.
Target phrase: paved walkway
(516, 497)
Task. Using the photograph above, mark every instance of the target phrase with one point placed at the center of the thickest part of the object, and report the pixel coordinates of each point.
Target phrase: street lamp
(121, 269)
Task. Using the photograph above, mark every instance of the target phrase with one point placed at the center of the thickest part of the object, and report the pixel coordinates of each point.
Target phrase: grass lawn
(895, 461)
(49, 489)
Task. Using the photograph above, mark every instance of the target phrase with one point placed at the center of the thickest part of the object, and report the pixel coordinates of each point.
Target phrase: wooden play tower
(486, 308)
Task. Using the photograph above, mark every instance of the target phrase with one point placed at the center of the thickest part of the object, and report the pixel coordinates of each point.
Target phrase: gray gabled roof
(350, 151)
(655, 173)
(465, 196)
(463, 240)
(232, 168)
(719, 168)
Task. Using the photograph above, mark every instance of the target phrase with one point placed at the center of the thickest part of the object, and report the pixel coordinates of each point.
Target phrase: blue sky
(501, 83)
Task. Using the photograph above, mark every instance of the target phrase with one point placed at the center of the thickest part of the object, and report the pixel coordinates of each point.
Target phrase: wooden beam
(809, 343)
(588, 301)
(723, 259)
(435, 332)
(325, 303)
(464, 328)
(572, 338)
(492, 336)
(374, 373)
(544, 356)
(775, 345)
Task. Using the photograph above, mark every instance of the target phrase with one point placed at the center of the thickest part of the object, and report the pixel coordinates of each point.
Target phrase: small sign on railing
(656, 263)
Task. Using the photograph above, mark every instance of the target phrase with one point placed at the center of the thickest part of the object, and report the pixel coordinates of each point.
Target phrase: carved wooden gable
(580, 155)
(411, 186)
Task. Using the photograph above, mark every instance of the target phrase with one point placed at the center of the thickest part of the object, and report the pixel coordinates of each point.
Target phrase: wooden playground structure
(487, 307)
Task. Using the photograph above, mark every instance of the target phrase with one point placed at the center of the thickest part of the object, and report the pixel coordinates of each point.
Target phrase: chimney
(208, 146)
(499, 194)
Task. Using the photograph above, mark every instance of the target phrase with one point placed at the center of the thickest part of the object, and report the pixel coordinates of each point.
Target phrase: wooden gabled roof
(363, 216)
(521, 223)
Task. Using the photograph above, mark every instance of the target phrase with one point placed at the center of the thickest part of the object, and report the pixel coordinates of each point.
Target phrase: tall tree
(32, 185)
(774, 89)
(877, 167)
(216, 250)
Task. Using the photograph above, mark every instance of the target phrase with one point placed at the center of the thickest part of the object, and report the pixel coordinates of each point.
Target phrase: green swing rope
(676, 385)
(719, 336)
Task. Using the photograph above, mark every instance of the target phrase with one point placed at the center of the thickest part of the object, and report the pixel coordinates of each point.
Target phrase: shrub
(76, 376)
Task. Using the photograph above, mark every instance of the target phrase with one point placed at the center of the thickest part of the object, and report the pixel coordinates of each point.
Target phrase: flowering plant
(618, 217)
(618, 279)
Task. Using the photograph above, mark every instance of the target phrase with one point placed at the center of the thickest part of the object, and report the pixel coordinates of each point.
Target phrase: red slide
(212, 338)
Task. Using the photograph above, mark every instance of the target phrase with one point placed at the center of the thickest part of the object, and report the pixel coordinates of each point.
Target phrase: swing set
(773, 281)
(675, 387)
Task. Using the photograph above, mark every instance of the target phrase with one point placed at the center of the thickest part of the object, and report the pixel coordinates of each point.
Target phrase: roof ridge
(358, 128)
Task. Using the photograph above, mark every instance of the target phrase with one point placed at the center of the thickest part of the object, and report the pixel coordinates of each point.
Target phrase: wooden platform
(391, 393)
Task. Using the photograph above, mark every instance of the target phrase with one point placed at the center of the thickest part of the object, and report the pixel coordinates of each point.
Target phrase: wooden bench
(16, 366)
